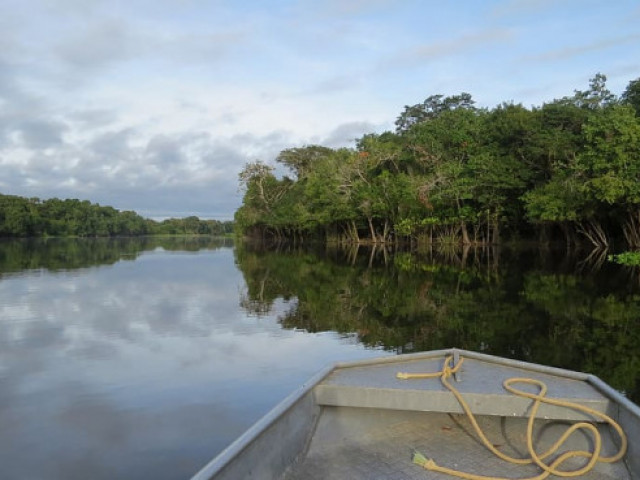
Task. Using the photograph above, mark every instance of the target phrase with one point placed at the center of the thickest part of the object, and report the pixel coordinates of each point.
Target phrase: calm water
(145, 358)
(123, 360)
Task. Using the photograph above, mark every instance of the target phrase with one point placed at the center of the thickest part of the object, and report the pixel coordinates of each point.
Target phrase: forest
(566, 171)
(31, 217)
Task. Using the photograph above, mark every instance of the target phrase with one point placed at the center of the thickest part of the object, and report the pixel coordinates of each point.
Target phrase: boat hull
(359, 421)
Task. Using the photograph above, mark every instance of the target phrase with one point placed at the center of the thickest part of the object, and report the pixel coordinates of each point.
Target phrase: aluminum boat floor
(373, 444)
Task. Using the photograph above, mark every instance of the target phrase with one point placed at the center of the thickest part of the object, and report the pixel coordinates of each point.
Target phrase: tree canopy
(452, 172)
(32, 217)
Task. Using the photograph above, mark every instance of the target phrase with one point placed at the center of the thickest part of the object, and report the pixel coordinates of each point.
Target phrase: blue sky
(155, 106)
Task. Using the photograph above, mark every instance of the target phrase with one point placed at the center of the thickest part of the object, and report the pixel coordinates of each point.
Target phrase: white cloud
(461, 44)
(98, 44)
(345, 135)
(572, 51)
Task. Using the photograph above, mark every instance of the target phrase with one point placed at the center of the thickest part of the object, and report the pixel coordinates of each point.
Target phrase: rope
(550, 468)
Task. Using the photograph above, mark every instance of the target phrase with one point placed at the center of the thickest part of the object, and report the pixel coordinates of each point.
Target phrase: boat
(440, 415)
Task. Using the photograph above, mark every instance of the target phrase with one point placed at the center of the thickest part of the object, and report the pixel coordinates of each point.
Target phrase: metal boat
(424, 416)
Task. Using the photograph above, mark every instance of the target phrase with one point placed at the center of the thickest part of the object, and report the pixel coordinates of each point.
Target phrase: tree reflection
(538, 306)
(72, 253)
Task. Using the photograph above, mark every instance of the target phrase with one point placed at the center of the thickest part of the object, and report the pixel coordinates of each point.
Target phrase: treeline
(33, 217)
(62, 253)
(452, 172)
(191, 226)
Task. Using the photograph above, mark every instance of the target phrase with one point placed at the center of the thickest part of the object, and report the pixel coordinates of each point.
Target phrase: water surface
(144, 358)
(136, 361)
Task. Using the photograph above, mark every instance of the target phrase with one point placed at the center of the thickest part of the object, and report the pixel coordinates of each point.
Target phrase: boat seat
(479, 382)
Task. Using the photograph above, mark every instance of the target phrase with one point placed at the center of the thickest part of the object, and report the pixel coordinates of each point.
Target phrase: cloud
(41, 133)
(439, 49)
(93, 118)
(570, 52)
(335, 84)
(345, 135)
(112, 144)
(199, 48)
(99, 44)
(461, 44)
(167, 175)
(18, 109)
(522, 7)
(24, 120)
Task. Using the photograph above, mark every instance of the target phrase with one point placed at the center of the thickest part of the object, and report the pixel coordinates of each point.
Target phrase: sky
(156, 105)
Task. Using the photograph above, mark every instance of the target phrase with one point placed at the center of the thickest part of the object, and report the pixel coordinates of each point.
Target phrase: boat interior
(400, 418)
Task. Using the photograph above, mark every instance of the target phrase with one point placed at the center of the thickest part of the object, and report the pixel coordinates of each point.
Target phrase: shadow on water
(574, 310)
(70, 253)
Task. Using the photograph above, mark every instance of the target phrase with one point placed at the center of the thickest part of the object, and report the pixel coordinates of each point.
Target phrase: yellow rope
(551, 468)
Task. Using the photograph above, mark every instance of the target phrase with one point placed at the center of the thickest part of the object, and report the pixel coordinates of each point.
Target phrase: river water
(144, 358)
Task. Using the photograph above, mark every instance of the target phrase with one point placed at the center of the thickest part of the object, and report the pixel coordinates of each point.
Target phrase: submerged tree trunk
(465, 234)
(372, 230)
(385, 232)
(496, 232)
(354, 232)
(631, 230)
(593, 231)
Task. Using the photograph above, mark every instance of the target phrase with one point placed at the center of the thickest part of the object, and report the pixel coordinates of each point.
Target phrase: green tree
(597, 96)
(302, 160)
(610, 165)
(431, 108)
(443, 148)
(262, 192)
(631, 95)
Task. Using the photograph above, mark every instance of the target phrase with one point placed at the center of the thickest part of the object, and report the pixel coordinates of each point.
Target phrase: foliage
(451, 172)
(631, 259)
(32, 217)
(631, 95)
(431, 108)
(191, 226)
(54, 254)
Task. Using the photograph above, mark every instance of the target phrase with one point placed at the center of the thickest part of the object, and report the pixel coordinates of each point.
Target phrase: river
(143, 358)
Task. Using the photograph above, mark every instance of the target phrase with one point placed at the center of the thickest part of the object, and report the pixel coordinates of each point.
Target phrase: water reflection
(137, 369)
(68, 254)
(144, 358)
(543, 306)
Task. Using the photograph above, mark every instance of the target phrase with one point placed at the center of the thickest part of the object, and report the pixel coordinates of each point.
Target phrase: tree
(559, 202)
(598, 95)
(303, 159)
(431, 108)
(631, 95)
(443, 148)
(453, 172)
(255, 179)
(329, 193)
(262, 193)
(610, 165)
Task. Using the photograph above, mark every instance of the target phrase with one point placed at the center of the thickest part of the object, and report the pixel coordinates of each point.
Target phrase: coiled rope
(550, 468)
